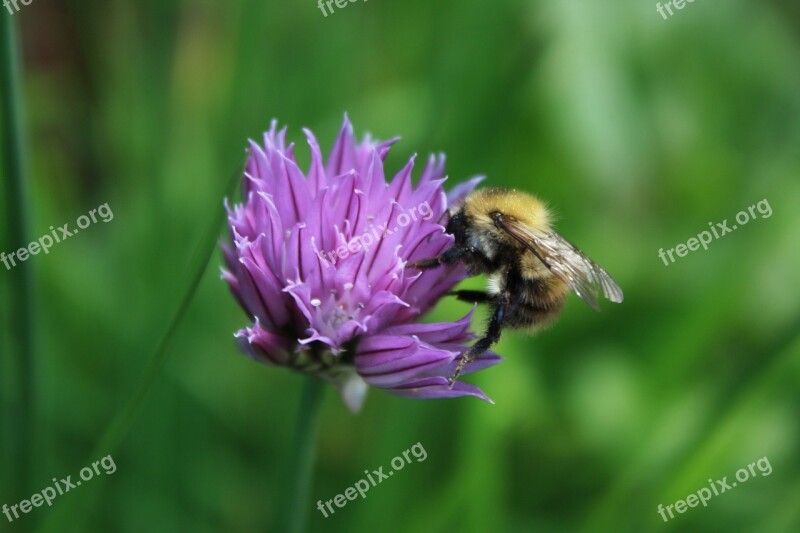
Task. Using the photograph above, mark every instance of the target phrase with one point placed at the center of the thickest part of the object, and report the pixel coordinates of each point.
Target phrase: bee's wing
(566, 261)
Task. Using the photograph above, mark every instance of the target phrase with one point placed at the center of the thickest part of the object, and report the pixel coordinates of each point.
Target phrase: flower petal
(437, 387)
(264, 346)
(318, 258)
(387, 361)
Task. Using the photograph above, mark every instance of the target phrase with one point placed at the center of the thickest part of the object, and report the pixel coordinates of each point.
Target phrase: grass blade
(123, 421)
(21, 365)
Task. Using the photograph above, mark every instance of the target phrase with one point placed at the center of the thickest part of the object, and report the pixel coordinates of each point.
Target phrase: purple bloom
(318, 261)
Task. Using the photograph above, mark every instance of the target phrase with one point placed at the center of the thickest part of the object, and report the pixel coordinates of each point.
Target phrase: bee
(531, 269)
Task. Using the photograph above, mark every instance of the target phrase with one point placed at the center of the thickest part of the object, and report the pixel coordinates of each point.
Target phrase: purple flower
(318, 261)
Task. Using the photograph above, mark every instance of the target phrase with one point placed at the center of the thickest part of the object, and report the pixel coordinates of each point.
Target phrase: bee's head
(457, 225)
(482, 205)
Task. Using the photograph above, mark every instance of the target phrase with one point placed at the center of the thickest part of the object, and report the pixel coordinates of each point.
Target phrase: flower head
(318, 263)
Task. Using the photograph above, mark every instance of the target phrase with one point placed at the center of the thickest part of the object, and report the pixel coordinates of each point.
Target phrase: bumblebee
(531, 269)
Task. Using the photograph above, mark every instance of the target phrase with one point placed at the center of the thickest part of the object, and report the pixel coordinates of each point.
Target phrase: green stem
(21, 353)
(292, 516)
(124, 419)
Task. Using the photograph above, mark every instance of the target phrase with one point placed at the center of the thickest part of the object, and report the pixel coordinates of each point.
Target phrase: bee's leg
(478, 297)
(492, 335)
(452, 255)
(425, 263)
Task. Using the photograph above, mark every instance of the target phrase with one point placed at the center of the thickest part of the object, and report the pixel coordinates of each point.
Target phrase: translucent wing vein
(585, 277)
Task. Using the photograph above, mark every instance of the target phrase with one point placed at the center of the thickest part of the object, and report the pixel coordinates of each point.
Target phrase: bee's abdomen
(535, 303)
(530, 317)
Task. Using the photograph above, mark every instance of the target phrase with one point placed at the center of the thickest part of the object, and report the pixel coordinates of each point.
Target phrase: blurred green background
(637, 130)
